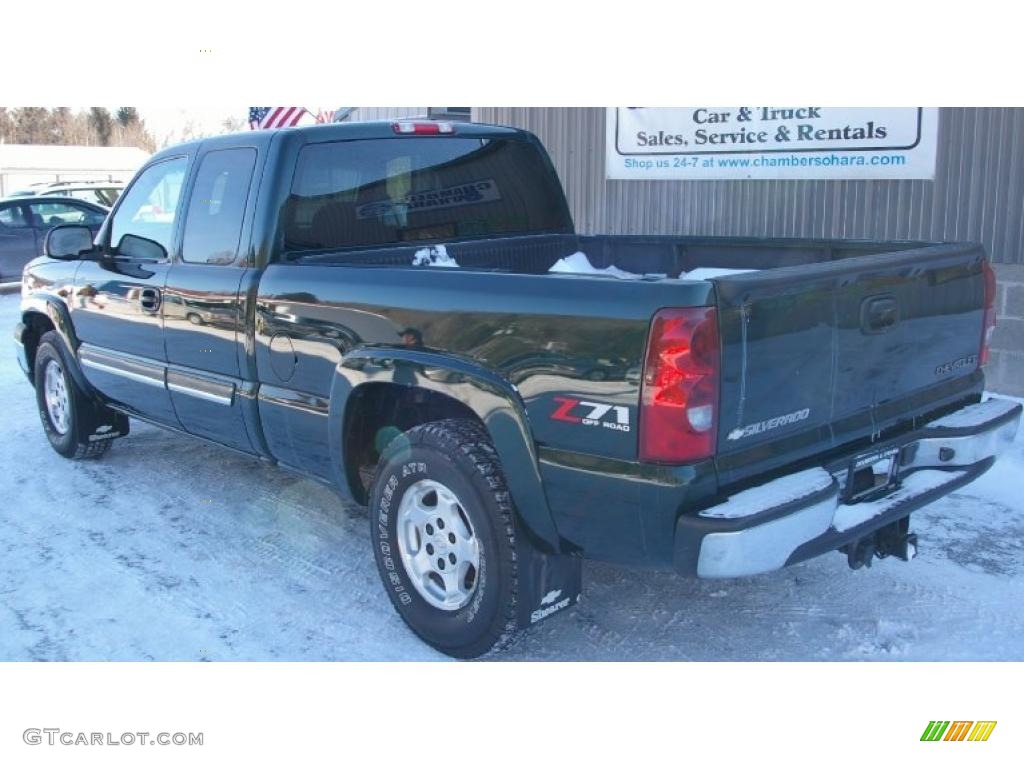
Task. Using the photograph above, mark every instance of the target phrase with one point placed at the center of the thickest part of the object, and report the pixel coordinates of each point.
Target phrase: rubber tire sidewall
(66, 445)
(475, 628)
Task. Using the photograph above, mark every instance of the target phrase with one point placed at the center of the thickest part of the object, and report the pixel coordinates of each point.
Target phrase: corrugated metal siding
(977, 194)
(386, 113)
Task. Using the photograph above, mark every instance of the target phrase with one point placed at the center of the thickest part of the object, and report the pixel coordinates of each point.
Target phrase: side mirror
(141, 248)
(68, 241)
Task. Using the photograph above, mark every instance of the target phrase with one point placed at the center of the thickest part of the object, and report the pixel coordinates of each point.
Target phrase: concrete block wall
(1005, 370)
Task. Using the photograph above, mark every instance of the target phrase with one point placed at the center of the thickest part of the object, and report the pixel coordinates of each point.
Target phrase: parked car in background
(103, 193)
(25, 221)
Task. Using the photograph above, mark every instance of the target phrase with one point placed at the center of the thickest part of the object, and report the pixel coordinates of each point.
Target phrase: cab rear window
(391, 191)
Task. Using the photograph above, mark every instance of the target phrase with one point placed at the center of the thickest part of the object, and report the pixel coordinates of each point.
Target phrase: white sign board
(771, 142)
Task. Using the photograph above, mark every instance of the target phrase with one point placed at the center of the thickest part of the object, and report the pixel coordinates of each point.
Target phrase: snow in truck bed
(579, 264)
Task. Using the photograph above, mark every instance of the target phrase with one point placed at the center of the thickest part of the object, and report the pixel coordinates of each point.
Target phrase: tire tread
(77, 451)
(470, 439)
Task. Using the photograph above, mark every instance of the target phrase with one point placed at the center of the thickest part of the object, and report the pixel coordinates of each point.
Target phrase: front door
(204, 320)
(117, 308)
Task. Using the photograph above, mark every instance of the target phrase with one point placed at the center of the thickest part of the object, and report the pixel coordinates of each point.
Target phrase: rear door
(830, 353)
(117, 306)
(204, 319)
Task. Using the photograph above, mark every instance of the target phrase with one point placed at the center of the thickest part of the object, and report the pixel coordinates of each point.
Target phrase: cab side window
(149, 209)
(53, 214)
(216, 208)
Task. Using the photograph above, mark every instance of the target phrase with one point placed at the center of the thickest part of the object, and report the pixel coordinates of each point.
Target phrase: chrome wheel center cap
(437, 544)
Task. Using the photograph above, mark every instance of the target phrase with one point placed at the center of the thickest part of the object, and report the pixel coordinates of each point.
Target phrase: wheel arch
(436, 386)
(40, 315)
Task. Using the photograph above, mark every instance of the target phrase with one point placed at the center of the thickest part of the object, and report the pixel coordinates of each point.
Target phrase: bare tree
(32, 125)
(39, 125)
(130, 130)
(6, 126)
(62, 125)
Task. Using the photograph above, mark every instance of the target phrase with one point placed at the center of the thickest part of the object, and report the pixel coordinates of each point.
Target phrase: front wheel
(62, 405)
(444, 537)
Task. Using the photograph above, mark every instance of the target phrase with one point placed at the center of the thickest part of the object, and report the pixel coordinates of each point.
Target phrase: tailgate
(818, 356)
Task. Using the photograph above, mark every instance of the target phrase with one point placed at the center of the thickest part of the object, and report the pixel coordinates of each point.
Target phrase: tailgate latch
(879, 314)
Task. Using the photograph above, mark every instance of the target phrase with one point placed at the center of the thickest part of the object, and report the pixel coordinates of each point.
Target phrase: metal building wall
(386, 113)
(978, 192)
(977, 195)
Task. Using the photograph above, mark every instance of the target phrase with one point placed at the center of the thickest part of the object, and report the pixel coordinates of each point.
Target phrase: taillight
(989, 324)
(679, 399)
(422, 128)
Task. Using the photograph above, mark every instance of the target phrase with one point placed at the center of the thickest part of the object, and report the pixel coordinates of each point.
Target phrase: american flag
(274, 117)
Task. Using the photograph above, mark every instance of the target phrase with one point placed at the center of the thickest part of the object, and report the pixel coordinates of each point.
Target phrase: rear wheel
(61, 403)
(444, 537)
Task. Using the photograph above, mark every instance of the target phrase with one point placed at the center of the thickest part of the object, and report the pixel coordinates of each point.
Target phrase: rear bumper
(804, 514)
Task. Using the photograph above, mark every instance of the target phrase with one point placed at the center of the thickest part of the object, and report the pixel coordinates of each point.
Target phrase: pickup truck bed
(793, 342)
(403, 340)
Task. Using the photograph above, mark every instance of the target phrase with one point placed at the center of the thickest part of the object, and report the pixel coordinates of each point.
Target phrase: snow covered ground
(171, 549)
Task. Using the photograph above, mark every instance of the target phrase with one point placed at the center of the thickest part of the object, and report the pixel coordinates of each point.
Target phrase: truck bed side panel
(559, 340)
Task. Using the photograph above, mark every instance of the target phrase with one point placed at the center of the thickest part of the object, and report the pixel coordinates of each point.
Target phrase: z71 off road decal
(763, 426)
(592, 414)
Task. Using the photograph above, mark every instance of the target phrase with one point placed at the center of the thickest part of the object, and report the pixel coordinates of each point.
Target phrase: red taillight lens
(679, 399)
(416, 128)
(989, 324)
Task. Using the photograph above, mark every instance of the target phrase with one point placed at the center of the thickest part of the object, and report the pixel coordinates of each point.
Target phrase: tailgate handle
(879, 314)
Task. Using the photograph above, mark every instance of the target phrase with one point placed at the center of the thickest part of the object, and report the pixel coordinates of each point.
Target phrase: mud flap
(548, 584)
(97, 422)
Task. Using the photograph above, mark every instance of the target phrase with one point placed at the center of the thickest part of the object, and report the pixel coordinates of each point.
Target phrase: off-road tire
(67, 445)
(458, 454)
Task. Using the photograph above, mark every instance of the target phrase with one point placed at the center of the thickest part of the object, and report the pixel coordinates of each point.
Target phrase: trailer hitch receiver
(892, 540)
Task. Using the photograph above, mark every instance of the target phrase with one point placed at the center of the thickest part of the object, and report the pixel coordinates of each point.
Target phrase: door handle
(149, 299)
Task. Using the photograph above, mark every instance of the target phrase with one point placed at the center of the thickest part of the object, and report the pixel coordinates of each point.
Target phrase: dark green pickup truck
(404, 312)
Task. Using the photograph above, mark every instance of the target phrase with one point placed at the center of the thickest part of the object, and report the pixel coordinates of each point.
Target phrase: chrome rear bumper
(804, 514)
